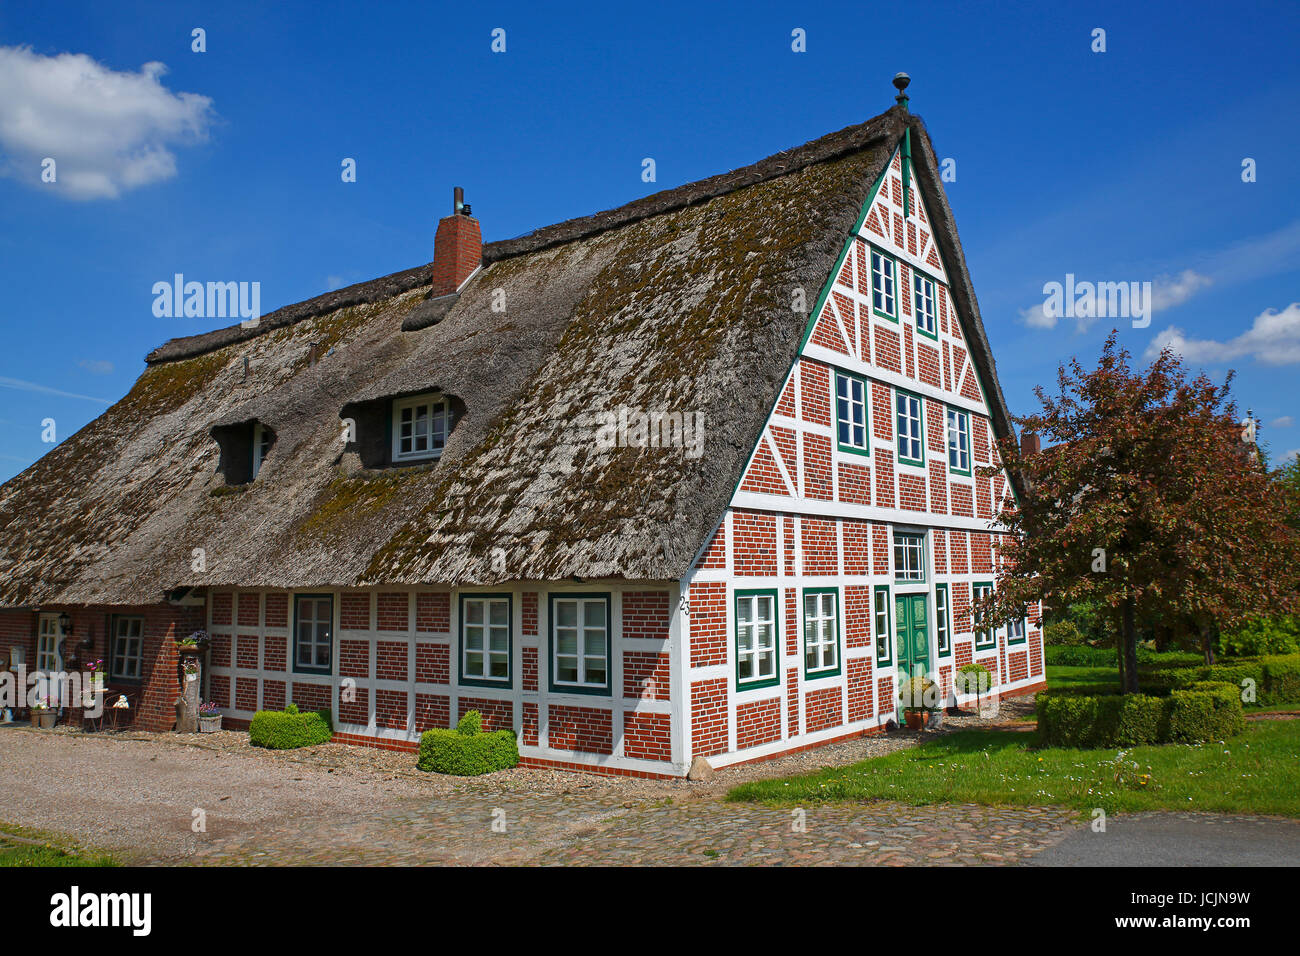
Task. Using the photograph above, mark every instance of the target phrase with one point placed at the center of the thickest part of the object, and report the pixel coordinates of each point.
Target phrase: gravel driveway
(212, 799)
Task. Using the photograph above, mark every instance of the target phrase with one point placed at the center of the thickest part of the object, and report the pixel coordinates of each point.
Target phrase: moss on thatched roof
(677, 302)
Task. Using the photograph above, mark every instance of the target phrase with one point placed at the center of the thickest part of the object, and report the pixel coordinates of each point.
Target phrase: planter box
(209, 725)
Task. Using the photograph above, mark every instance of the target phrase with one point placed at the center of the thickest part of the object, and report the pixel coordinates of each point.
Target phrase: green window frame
(821, 632)
(126, 649)
(942, 621)
(752, 652)
(909, 557)
(852, 403)
(478, 648)
(880, 610)
(985, 639)
(884, 283)
(909, 427)
(588, 658)
(924, 296)
(959, 446)
(317, 662)
(1016, 631)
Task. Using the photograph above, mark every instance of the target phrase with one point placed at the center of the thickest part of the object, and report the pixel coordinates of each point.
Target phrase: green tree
(1149, 503)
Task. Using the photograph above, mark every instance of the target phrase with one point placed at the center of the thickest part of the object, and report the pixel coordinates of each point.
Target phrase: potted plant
(96, 669)
(919, 696)
(193, 645)
(209, 718)
(42, 716)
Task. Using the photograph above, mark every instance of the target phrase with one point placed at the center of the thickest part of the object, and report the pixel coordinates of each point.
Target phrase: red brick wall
(355, 612)
(432, 663)
(528, 605)
(758, 723)
(646, 675)
(647, 736)
(709, 717)
(390, 662)
(859, 672)
(823, 708)
(432, 710)
(433, 613)
(588, 729)
(708, 624)
(497, 714)
(754, 544)
(393, 614)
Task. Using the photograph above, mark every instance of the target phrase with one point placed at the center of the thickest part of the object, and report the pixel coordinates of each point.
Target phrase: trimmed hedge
(1276, 677)
(1072, 656)
(1203, 711)
(287, 729)
(466, 751)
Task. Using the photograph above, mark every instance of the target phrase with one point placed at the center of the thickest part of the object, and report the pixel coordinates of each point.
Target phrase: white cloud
(19, 384)
(333, 282)
(96, 366)
(1286, 421)
(1288, 456)
(107, 131)
(1169, 291)
(1272, 339)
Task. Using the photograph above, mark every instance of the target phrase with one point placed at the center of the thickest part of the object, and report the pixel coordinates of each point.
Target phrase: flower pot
(915, 719)
(35, 717)
(47, 719)
(209, 725)
(189, 650)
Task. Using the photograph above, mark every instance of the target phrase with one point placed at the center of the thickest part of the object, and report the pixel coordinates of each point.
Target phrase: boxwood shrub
(289, 728)
(1200, 712)
(466, 751)
(1276, 676)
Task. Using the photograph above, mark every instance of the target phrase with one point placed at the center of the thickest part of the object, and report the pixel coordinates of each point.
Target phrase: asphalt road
(1181, 840)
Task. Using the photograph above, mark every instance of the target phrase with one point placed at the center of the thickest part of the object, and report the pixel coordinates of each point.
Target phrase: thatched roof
(676, 302)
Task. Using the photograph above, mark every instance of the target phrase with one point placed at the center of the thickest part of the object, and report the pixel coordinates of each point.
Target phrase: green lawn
(1256, 772)
(1061, 675)
(51, 851)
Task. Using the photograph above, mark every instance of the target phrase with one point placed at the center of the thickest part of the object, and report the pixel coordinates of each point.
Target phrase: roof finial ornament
(900, 83)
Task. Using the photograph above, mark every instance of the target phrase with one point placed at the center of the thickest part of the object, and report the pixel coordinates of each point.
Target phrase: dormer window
(420, 426)
(262, 439)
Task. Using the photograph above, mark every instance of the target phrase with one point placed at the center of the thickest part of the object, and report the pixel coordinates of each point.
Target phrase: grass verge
(22, 846)
(1256, 772)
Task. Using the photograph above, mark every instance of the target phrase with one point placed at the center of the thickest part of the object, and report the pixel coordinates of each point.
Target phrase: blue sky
(1122, 165)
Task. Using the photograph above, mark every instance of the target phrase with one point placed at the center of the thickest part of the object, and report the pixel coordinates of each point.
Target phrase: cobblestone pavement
(139, 796)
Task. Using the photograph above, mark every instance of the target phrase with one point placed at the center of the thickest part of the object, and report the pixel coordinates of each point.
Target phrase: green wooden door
(911, 639)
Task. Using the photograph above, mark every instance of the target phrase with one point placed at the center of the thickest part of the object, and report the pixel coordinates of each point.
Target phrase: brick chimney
(1029, 444)
(457, 248)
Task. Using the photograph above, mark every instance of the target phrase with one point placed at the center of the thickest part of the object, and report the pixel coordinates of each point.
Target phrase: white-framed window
(881, 629)
(911, 443)
(851, 413)
(485, 639)
(1016, 631)
(580, 639)
(420, 427)
(909, 556)
(126, 656)
(959, 441)
(984, 637)
(262, 438)
(942, 622)
(47, 644)
(883, 295)
(756, 650)
(821, 642)
(313, 634)
(923, 293)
